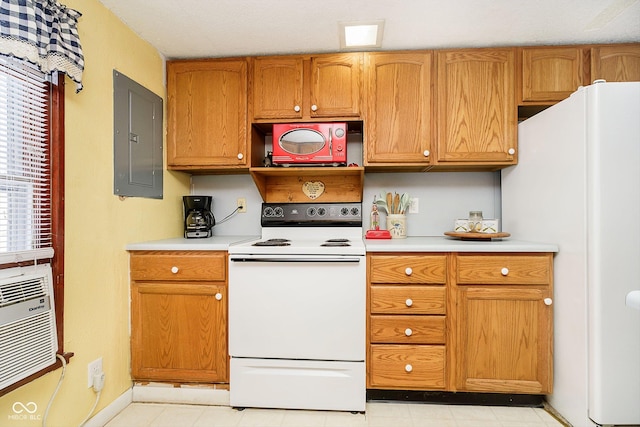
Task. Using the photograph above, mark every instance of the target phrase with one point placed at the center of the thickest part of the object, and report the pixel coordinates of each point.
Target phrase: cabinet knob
(174, 269)
(426, 153)
(408, 368)
(240, 156)
(408, 332)
(504, 271)
(296, 108)
(408, 271)
(511, 151)
(548, 301)
(314, 107)
(409, 302)
(218, 296)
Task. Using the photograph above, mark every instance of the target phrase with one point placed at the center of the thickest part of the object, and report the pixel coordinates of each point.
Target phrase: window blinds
(25, 184)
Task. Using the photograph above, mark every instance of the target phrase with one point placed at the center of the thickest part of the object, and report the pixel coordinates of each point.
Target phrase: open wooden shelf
(284, 184)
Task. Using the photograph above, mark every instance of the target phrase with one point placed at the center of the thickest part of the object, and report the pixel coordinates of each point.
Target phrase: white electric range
(297, 310)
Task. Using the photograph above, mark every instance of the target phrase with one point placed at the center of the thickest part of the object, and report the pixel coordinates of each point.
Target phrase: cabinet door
(178, 332)
(207, 114)
(399, 99)
(277, 87)
(551, 73)
(504, 340)
(477, 117)
(335, 89)
(616, 63)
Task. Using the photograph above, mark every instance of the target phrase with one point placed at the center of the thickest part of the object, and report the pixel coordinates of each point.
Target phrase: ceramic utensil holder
(397, 225)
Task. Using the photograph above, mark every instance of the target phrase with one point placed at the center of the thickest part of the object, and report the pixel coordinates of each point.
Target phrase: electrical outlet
(93, 368)
(242, 204)
(413, 205)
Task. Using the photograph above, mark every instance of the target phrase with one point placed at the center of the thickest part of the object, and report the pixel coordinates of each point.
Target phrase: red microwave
(310, 143)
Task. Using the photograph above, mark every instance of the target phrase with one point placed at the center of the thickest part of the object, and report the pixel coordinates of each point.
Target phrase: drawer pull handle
(174, 269)
(314, 107)
(504, 271)
(408, 271)
(218, 296)
(408, 368)
(240, 156)
(408, 332)
(296, 108)
(426, 153)
(409, 302)
(511, 151)
(548, 301)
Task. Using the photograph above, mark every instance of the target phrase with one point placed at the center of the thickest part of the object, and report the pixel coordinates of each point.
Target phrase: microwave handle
(330, 140)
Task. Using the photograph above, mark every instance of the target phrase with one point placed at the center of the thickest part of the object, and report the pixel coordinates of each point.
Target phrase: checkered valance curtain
(43, 32)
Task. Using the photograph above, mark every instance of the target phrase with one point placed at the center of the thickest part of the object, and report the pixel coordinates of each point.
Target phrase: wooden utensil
(396, 204)
(404, 203)
(390, 202)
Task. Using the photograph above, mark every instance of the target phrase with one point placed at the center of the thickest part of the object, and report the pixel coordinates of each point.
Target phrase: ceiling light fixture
(360, 34)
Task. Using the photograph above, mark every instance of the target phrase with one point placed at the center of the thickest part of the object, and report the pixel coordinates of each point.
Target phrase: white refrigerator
(577, 184)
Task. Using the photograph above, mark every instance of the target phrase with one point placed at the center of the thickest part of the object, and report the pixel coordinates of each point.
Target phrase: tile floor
(378, 414)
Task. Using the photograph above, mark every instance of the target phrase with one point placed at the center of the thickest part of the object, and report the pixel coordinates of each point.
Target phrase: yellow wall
(99, 225)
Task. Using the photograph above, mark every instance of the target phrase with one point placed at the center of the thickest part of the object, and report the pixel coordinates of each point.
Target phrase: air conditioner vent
(13, 291)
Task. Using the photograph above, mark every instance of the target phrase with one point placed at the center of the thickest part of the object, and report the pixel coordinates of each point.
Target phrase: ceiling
(219, 28)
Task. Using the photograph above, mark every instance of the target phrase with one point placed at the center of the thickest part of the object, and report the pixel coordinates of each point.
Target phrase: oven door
(297, 307)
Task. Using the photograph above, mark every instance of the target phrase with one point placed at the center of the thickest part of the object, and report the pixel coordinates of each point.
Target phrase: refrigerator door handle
(633, 299)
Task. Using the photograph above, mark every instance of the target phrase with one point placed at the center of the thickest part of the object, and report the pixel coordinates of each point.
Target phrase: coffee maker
(198, 219)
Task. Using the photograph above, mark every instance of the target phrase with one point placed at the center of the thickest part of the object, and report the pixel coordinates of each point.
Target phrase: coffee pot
(198, 219)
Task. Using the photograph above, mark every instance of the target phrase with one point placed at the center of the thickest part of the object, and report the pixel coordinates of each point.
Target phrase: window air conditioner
(28, 338)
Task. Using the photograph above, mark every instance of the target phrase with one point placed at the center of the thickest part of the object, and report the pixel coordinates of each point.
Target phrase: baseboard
(111, 410)
(183, 394)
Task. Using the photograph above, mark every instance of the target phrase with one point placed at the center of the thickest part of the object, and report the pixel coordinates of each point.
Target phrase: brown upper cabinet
(476, 113)
(551, 74)
(207, 114)
(398, 123)
(616, 63)
(307, 87)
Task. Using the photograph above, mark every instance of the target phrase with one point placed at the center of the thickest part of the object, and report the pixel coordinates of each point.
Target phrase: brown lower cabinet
(485, 327)
(179, 316)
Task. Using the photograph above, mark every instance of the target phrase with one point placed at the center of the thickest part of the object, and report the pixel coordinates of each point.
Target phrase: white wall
(443, 197)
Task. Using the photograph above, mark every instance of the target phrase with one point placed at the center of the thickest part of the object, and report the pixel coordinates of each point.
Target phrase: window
(32, 175)
(25, 184)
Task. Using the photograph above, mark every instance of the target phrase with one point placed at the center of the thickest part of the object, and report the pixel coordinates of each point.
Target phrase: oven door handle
(294, 259)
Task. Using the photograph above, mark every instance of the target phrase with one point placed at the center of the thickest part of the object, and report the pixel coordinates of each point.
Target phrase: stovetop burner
(337, 242)
(273, 242)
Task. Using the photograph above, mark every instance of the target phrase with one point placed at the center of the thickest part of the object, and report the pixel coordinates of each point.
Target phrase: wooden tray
(476, 236)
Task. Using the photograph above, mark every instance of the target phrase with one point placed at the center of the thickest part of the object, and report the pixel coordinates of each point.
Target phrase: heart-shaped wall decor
(313, 189)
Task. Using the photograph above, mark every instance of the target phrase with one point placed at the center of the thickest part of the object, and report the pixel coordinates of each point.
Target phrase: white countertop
(450, 244)
(215, 243)
(410, 244)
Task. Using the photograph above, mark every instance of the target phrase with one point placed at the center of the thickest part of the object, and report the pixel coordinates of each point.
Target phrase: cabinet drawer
(504, 269)
(408, 329)
(407, 300)
(407, 366)
(172, 265)
(407, 269)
